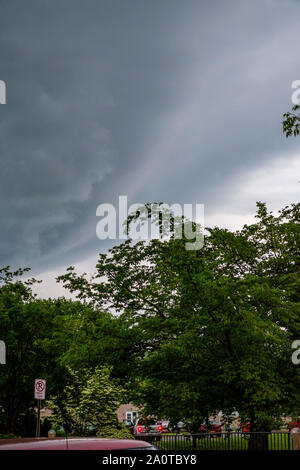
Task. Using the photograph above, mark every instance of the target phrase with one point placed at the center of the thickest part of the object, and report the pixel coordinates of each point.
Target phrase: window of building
(131, 416)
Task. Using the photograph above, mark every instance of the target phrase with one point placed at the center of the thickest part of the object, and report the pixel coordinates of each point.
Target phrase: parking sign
(40, 389)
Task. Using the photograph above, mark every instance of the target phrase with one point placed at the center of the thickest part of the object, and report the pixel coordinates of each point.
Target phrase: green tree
(90, 402)
(291, 122)
(29, 327)
(213, 327)
(18, 329)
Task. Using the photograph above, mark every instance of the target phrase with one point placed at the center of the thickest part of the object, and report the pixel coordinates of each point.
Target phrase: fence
(223, 441)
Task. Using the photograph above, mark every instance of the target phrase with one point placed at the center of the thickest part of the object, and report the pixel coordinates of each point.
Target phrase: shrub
(115, 432)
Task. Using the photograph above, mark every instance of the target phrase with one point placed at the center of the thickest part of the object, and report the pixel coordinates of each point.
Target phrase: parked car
(144, 427)
(212, 428)
(294, 424)
(165, 426)
(74, 444)
(246, 427)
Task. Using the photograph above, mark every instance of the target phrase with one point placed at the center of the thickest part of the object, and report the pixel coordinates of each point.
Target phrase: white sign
(40, 389)
(2, 92)
(2, 353)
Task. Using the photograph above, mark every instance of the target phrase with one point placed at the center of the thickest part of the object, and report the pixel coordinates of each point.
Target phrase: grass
(235, 442)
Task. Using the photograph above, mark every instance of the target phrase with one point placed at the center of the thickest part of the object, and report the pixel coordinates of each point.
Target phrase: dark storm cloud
(159, 100)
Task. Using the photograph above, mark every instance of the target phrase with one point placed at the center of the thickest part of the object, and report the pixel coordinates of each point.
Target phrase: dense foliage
(209, 329)
(183, 333)
(89, 405)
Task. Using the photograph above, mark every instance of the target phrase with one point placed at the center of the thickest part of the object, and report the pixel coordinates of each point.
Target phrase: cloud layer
(174, 101)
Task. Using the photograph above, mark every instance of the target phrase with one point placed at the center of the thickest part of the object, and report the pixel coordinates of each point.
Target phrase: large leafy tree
(32, 331)
(212, 328)
(18, 329)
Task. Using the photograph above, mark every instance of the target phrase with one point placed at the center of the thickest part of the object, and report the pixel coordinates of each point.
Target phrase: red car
(294, 424)
(246, 427)
(74, 444)
(212, 428)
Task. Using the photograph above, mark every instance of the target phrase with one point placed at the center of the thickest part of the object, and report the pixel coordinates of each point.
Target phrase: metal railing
(222, 441)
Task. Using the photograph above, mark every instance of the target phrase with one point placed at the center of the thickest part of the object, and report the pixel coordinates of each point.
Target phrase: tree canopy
(183, 333)
(212, 328)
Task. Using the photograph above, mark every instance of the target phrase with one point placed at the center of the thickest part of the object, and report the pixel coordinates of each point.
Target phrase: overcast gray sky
(159, 100)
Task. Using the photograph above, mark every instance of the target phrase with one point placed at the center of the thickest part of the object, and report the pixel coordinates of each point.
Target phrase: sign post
(38, 420)
(39, 394)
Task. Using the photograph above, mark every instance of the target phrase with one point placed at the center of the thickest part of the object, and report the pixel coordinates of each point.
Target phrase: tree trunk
(257, 440)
